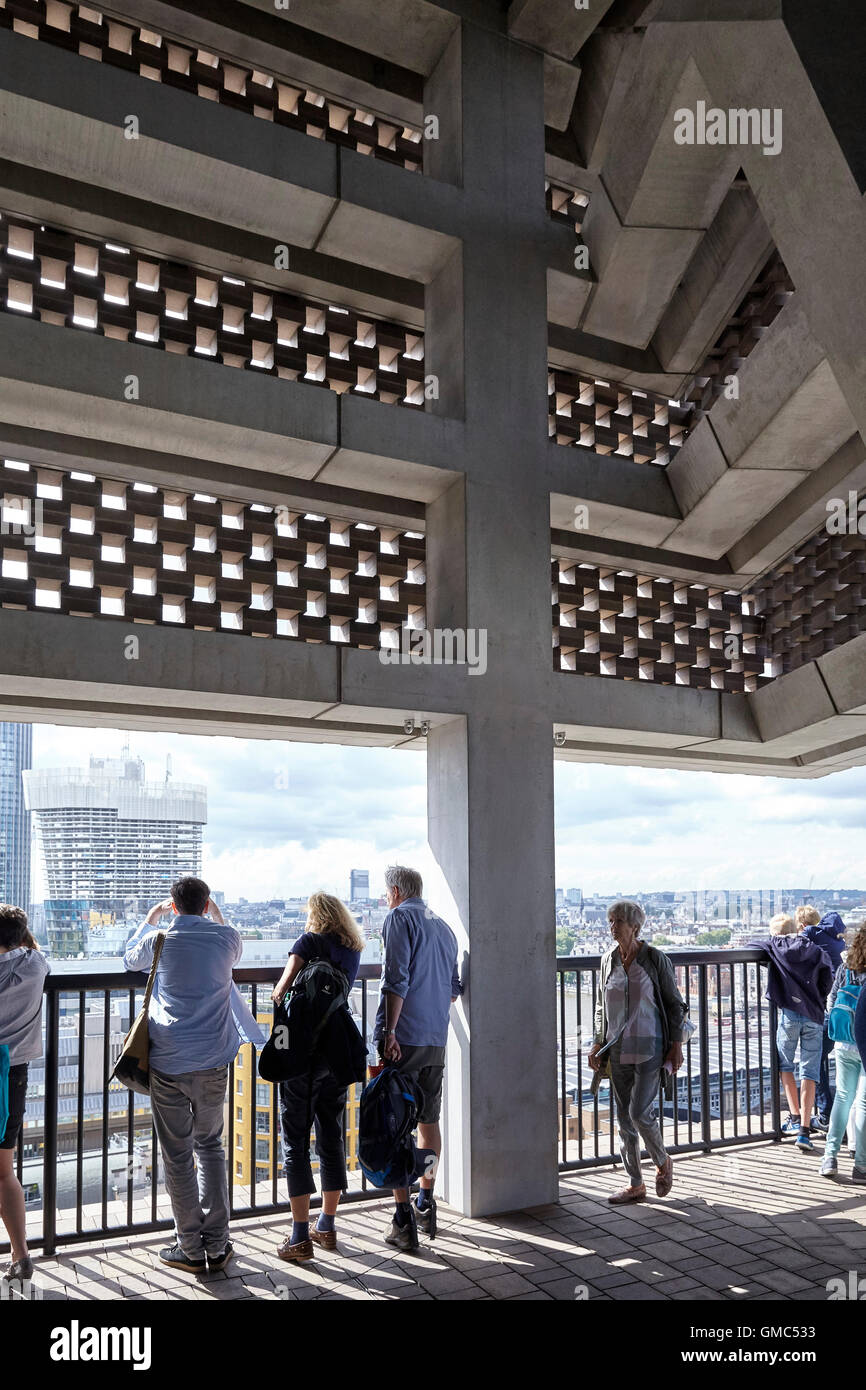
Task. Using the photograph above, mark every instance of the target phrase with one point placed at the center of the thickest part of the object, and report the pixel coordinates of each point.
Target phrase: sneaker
(426, 1217)
(403, 1237)
(220, 1260)
(297, 1253)
(805, 1145)
(829, 1168)
(858, 1175)
(819, 1126)
(19, 1269)
(791, 1125)
(173, 1256)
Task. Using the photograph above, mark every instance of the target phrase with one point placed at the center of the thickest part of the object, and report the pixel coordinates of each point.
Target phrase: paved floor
(751, 1223)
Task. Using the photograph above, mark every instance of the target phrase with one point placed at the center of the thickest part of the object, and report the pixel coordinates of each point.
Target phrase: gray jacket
(22, 978)
(669, 1002)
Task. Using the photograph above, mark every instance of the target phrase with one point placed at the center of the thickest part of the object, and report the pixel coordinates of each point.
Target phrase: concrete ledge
(66, 114)
(70, 382)
(52, 654)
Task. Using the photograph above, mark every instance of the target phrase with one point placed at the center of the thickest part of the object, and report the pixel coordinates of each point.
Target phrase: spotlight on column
(425, 727)
(408, 726)
(559, 737)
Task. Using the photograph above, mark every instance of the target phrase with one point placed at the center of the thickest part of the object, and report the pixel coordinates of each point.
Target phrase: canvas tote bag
(132, 1067)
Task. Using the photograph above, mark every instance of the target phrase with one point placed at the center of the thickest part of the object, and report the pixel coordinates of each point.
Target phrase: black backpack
(387, 1117)
(318, 991)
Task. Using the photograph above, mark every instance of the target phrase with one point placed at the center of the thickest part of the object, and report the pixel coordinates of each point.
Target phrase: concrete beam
(405, 33)
(637, 267)
(725, 263)
(753, 451)
(652, 180)
(269, 42)
(556, 26)
(66, 116)
(164, 231)
(66, 381)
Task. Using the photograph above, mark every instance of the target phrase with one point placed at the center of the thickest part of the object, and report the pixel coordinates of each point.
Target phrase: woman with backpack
(640, 1019)
(850, 1076)
(317, 1096)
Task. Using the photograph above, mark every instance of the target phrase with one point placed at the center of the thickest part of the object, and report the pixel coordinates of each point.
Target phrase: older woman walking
(639, 1020)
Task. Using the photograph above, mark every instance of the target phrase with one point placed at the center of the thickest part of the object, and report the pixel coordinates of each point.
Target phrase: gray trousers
(635, 1089)
(188, 1114)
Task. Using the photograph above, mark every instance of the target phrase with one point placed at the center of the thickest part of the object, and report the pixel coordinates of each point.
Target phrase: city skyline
(285, 819)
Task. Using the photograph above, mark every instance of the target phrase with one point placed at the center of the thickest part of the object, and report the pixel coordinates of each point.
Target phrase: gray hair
(408, 882)
(627, 911)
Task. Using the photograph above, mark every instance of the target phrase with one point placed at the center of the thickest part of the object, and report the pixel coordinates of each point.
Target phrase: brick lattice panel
(815, 601)
(126, 44)
(762, 302)
(78, 282)
(614, 419)
(148, 555)
(566, 204)
(639, 627)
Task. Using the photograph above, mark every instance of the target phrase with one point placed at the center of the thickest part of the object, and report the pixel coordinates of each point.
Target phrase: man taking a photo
(193, 1038)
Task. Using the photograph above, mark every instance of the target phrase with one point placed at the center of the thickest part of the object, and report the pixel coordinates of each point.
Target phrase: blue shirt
(191, 1025)
(315, 945)
(420, 966)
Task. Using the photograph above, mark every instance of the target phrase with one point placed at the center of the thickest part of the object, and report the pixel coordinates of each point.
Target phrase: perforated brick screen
(639, 627)
(81, 545)
(614, 419)
(102, 287)
(126, 44)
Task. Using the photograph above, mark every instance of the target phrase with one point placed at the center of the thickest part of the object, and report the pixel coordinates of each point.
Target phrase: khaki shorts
(426, 1067)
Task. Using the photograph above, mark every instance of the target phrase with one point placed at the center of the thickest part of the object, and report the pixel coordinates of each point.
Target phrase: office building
(16, 751)
(359, 887)
(112, 842)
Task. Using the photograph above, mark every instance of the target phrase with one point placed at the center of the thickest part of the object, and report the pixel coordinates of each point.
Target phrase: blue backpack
(840, 1024)
(388, 1116)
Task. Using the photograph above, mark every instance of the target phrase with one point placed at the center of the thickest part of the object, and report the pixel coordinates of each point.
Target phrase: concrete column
(490, 777)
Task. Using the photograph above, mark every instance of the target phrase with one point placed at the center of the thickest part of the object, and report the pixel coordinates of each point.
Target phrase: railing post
(49, 1148)
(704, 1049)
(775, 1103)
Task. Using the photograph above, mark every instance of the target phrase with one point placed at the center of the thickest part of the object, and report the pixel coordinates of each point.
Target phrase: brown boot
(628, 1194)
(665, 1178)
(303, 1250)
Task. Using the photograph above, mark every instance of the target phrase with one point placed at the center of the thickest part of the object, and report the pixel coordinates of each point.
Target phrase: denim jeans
(188, 1114)
(850, 1093)
(797, 1029)
(635, 1090)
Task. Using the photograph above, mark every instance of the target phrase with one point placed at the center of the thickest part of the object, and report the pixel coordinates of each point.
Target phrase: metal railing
(107, 1124)
(93, 1164)
(727, 1091)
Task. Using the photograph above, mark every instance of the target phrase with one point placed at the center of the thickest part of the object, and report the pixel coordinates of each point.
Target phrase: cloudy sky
(285, 818)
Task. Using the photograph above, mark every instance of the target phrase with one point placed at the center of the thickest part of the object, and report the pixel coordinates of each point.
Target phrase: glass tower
(16, 750)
